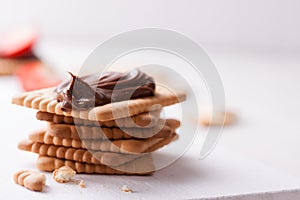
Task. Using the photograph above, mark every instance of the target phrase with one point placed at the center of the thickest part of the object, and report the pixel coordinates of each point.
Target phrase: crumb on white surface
(126, 189)
(216, 117)
(82, 184)
(63, 174)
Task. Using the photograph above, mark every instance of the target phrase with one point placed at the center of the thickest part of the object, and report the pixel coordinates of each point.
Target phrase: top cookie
(44, 100)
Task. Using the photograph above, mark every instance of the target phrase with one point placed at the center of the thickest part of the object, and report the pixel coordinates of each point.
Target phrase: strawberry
(35, 75)
(18, 43)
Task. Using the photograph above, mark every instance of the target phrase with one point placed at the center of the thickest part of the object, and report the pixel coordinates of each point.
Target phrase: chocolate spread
(94, 90)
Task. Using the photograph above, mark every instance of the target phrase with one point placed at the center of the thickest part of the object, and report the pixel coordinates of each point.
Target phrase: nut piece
(63, 174)
(35, 181)
(81, 184)
(126, 189)
(220, 117)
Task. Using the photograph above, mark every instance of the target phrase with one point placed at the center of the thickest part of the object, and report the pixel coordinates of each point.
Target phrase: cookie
(148, 119)
(97, 132)
(118, 146)
(221, 118)
(11, 66)
(79, 155)
(63, 174)
(141, 166)
(44, 100)
(35, 181)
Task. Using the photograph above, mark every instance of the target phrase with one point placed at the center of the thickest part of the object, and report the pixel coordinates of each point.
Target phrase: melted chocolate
(89, 91)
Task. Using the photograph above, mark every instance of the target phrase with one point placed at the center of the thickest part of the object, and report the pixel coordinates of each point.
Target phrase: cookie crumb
(63, 174)
(221, 118)
(126, 189)
(81, 184)
(35, 181)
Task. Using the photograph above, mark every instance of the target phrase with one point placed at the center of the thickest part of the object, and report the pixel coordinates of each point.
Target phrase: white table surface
(258, 154)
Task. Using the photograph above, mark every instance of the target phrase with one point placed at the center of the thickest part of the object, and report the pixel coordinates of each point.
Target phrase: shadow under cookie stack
(114, 138)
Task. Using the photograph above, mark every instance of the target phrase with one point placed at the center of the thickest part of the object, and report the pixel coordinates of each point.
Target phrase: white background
(231, 22)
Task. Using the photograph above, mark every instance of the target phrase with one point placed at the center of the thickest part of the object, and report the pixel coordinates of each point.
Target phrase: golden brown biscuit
(63, 174)
(118, 146)
(220, 118)
(115, 133)
(44, 100)
(141, 166)
(79, 155)
(147, 119)
(11, 66)
(31, 180)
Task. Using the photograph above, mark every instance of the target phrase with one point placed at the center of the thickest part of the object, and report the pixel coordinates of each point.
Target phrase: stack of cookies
(115, 138)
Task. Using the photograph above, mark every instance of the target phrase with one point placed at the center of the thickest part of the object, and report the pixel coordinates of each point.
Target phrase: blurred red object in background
(35, 75)
(18, 43)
